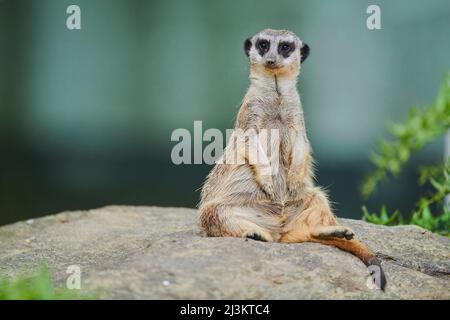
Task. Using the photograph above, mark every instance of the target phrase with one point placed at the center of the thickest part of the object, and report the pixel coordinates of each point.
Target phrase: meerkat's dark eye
(262, 46)
(286, 48)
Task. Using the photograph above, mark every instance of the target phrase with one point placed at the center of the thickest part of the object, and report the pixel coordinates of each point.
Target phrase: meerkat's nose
(271, 63)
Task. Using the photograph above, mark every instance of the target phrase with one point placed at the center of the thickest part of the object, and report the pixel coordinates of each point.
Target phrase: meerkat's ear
(247, 46)
(304, 52)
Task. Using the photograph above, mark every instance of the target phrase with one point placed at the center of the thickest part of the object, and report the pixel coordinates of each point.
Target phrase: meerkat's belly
(230, 183)
(279, 156)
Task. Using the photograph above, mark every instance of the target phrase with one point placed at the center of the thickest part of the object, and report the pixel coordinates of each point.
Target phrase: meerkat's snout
(271, 63)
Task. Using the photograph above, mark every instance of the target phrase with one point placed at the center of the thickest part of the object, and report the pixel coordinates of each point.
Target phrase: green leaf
(420, 128)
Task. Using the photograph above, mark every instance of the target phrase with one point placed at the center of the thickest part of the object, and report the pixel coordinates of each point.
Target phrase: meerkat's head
(276, 52)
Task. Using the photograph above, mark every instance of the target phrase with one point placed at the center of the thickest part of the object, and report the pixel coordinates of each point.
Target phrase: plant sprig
(432, 211)
(420, 128)
(384, 218)
(38, 286)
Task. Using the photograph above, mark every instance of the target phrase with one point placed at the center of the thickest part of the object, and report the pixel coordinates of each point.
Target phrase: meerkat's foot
(256, 236)
(334, 232)
(259, 235)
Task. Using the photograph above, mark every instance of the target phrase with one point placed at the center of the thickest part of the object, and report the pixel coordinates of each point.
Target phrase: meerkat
(241, 199)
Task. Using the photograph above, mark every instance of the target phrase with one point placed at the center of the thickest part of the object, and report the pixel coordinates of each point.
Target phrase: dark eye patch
(262, 46)
(286, 48)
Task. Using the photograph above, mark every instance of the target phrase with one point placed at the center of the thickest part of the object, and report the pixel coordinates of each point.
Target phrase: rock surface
(159, 253)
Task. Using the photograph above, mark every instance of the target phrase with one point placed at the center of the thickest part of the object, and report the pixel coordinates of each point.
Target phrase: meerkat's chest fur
(277, 108)
(275, 114)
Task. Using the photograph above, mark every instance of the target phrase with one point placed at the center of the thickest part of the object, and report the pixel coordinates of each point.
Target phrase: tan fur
(238, 201)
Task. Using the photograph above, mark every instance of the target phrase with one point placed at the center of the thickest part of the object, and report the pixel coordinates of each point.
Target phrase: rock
(159, 253)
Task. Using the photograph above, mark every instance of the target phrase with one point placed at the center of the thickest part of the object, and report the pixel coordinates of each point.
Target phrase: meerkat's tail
(376, 272)
(361, 251)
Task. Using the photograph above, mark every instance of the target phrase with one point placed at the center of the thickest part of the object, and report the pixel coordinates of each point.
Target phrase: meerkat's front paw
(293, 186)
(293, 190)
(267, 186)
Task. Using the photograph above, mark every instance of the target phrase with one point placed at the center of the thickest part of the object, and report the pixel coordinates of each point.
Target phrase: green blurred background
(86, 115)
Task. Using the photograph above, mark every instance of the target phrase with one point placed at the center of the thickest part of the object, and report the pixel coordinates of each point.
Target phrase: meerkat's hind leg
(221, 220)
(254, 224)
(315, 222)
(335, 231)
